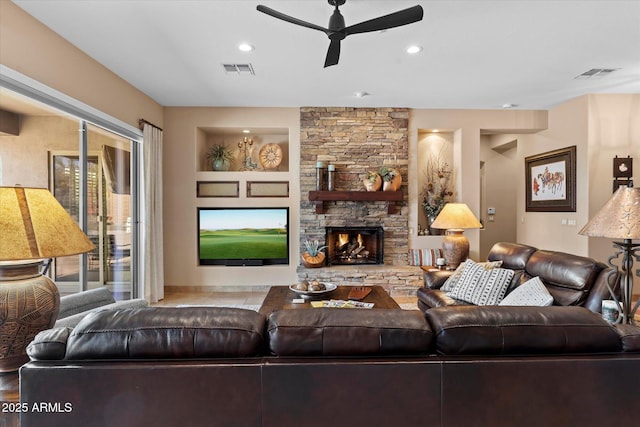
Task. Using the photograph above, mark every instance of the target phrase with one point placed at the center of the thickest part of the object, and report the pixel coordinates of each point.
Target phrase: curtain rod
(141, 122)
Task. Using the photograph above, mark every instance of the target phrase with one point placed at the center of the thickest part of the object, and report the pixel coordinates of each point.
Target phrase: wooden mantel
(391, 197)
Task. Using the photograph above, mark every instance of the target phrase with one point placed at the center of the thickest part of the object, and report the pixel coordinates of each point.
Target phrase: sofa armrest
(84, 301)
(434, 279)
(72, 321)
(630, 338)
(50, 344)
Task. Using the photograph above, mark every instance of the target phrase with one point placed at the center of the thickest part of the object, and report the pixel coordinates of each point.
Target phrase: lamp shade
(619, 218)
(456, 215)
(33, 225)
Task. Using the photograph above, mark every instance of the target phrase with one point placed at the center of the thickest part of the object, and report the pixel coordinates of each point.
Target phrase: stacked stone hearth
(357, 140)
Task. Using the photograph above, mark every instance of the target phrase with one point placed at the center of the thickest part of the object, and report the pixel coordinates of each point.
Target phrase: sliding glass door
(91, 170)
(109, 215)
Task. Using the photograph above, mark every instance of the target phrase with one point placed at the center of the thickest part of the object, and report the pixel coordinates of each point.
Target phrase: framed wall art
(551, 181)
(217, 189)
(622, 167)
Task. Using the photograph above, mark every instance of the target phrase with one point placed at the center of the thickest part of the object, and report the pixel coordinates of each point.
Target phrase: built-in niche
(258, 150)
(436, 176)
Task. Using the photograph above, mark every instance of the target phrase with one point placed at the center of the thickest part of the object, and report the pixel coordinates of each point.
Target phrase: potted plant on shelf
(391, 177)
(372, 181)
(220, 157)
(313, 257)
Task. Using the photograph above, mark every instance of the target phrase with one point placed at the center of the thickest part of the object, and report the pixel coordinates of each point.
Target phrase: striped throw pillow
(424, 256)
(480, 286)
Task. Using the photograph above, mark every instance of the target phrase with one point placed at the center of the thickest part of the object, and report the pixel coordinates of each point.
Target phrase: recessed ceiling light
(245, 47)
(361, 94)
(246, 131)
(508, 106)
(413, 49)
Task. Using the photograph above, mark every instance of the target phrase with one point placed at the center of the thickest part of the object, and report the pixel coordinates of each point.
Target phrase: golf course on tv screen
(243, 236)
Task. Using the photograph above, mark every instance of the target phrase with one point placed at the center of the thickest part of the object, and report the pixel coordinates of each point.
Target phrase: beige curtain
(151, 215)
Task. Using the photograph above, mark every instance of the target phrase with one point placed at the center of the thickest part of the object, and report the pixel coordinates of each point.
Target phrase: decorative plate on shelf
(328, 287)
(270, 156)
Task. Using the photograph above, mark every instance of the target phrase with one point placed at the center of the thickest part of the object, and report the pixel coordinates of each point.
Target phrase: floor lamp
(34, 227)
(455, 217)
(619, 218)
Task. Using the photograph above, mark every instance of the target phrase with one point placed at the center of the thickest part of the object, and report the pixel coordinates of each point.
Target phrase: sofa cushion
(532, 292)
(521, 330)
(480, 286)
(568, 278)
(452, 281)
(513, 255)
(348, 332)
(167, 332)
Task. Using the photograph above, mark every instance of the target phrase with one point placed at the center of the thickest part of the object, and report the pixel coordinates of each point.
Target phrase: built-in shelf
(391, 197)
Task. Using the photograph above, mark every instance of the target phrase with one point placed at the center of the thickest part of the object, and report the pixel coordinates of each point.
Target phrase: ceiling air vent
(596, 73)
(241, 69)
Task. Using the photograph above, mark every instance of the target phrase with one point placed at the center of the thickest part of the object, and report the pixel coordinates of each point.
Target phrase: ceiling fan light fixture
(413, 49)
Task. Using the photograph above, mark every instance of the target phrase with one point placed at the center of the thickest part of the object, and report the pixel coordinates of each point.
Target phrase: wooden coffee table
(281, 297)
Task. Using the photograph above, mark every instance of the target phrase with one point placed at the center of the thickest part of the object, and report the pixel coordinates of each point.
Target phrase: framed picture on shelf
(551, 181)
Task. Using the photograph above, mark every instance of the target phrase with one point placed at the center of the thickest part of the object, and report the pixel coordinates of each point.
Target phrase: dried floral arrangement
(436, 191)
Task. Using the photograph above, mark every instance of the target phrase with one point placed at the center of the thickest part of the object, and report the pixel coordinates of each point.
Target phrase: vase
(373, 185)
(394, 184)
(433, 231)
(220, 165)
(313, 261)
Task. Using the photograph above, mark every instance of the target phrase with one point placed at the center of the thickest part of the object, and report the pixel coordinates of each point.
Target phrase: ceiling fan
(338, 31)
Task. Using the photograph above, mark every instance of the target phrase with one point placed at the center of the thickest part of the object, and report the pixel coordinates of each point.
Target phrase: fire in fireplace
(354, 245)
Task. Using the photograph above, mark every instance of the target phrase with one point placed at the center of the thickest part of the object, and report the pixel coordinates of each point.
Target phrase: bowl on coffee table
(328, 287)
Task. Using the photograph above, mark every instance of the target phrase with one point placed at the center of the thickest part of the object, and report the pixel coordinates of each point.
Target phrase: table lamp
(455, 217)
(33, 228)
(619, 218)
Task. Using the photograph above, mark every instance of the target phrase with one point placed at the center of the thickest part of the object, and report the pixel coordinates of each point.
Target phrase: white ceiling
(476, 53)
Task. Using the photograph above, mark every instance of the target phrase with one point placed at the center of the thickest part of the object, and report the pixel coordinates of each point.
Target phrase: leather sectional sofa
(572, 280)
(454, 366)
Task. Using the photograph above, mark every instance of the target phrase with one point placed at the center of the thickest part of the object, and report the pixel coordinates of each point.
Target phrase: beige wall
(614, 130)
(499, 157)
(182, 169)
(466, 126)
(29, 47)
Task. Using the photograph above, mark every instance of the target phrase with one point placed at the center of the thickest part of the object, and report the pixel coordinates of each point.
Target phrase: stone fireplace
(354, 245)
(355, 141)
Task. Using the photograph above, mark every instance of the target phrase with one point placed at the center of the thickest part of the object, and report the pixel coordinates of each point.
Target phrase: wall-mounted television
(243, 236)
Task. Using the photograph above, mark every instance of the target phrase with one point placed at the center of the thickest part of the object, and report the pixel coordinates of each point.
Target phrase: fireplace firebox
(354, 245)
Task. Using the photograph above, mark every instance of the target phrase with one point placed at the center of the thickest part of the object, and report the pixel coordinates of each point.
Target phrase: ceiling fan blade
(333, 54)
(291, 19)
(396, 19)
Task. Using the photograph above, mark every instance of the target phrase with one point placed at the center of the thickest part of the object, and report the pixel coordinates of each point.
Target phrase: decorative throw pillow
(451, 282)
(480, 286)
(424, 256)
(532, 292)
